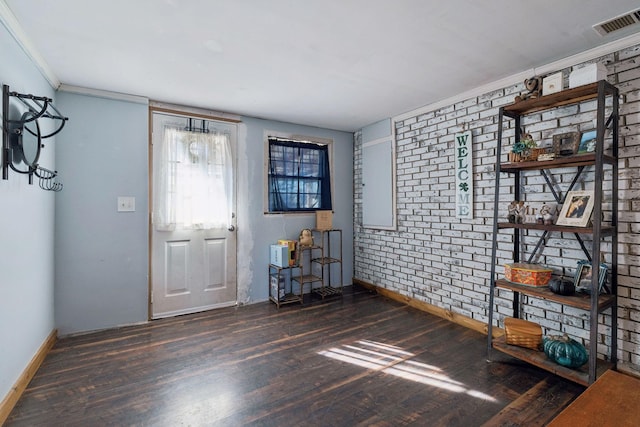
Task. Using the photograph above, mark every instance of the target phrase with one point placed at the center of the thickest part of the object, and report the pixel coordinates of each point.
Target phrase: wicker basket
(529, 155)
(535, 152)
(523, 333)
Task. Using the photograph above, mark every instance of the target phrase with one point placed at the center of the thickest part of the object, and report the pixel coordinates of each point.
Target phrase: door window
(194, 180)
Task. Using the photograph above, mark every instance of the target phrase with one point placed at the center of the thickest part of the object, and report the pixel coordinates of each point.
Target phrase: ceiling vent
(618, 23)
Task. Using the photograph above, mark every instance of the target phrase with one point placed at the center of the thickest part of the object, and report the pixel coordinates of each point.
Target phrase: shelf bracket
(542, 239)
(583, 246)
(546, 177)
(559, 198)
(609, 120)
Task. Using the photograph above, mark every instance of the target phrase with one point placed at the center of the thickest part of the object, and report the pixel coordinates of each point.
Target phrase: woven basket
(523, 333)
(535, 152)
(528, 156)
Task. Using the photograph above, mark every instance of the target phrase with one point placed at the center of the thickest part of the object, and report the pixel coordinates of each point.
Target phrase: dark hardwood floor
(360, 360)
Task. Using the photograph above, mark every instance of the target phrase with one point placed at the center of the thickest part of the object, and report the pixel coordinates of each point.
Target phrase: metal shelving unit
(329, 257)
(276, 273)
(305, 254)
(593, 303)
(326, 255)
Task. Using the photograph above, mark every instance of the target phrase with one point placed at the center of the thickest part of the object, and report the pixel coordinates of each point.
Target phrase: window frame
(299, 139)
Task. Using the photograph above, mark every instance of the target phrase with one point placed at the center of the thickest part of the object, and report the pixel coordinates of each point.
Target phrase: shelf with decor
(604, 231)
(602, 165)
(586, 159)
(539, 359)
(581, 301)
(279, 292)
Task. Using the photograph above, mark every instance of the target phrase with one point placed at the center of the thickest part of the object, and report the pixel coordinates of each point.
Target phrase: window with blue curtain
(299, 176)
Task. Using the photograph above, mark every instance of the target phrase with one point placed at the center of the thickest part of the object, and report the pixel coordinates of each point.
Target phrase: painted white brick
(449, 268)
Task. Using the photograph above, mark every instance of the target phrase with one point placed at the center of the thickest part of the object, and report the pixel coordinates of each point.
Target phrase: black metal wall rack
(22, 138)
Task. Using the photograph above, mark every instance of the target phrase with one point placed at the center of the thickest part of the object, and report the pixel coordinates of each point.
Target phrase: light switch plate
(126, 204)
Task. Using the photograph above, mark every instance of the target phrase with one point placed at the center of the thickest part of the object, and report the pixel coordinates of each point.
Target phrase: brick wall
(444, 261)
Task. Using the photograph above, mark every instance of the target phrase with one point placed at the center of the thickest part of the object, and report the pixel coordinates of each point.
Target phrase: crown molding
(589, 55)
(12, 25)
(570, 61)
(103, 94)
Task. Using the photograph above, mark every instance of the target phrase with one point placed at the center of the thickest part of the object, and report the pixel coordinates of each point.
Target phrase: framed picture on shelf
(566, 144)
(582, 279)
(587, 142)
(577, 208)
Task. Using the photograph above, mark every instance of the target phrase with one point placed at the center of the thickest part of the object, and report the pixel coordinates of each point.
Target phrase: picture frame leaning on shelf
(566, 144)
(587, 142)
(577, 208)
(582, 279)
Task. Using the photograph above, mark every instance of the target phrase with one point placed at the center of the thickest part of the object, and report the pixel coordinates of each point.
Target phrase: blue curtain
(299, 176)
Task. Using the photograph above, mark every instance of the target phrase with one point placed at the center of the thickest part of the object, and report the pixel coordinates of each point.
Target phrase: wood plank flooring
(359, 360)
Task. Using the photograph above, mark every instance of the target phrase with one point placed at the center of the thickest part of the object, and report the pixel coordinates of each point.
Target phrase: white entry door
(193, 239)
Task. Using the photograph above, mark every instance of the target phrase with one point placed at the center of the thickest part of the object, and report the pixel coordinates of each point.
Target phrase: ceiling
(337, 64)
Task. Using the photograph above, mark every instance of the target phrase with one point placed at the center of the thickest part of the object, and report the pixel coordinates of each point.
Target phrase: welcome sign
(464, 175)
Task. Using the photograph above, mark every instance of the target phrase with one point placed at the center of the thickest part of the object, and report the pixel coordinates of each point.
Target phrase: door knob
(232, 228)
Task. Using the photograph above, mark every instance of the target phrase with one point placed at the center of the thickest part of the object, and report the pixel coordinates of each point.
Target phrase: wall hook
(46, 179)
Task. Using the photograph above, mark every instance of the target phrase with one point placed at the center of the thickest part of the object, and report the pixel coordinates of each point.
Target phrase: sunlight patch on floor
(396, 361)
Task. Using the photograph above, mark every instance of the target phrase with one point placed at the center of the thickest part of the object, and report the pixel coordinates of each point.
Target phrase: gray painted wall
(101, 254)
(376, 130)
(256, 231)
(26, 237)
